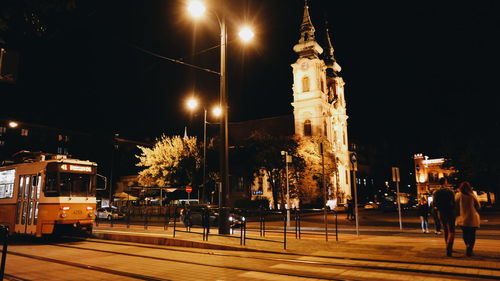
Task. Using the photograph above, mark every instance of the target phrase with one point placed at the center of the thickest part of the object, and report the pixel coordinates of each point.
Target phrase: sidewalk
(411, 245)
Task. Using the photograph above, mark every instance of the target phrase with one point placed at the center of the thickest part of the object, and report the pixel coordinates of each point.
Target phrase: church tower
(318, 99)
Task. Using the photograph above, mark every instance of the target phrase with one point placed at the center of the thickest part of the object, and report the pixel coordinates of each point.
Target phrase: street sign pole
(395, 178)
(354, 168)
(288, 159)
(188, 190)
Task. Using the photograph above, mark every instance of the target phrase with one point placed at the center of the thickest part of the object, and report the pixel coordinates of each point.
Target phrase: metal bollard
(325, 216)
(241, 234)
(336, 227)
(128, 217)
(167, 218)
(4, 233)
(175, 219)
(264, 225)
(284, 229)
(245, 233)
(296, 224)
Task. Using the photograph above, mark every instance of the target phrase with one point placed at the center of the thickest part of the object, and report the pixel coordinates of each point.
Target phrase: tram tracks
(286, 267)
(348, 262)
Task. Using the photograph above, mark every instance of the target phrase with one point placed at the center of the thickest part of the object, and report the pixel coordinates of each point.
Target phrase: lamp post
(197, 9)
(192, 104)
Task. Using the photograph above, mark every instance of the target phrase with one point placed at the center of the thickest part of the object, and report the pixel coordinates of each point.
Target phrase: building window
(3, 130)
(325, 129)
(307, 128)
(2, 143)
(305, 84)
(241, 184)
(346, 176)
(24, 132)
(343, 136)
(59, 150)
(261, 183)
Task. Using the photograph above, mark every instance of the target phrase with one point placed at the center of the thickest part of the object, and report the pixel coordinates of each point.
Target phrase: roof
(276, 126)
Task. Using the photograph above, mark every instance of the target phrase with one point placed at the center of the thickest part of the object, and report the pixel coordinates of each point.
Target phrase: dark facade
(17, 136)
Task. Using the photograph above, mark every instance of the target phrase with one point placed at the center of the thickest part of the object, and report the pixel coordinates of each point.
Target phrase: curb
(166, 241)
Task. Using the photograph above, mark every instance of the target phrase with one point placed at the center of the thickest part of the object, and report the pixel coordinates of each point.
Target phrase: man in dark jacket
(444, 201)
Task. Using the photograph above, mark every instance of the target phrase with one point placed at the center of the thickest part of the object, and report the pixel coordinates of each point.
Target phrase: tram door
(27, 204)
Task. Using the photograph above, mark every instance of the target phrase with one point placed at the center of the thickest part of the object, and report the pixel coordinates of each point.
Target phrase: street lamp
(192, 104)
(196, 8)
(13, 124)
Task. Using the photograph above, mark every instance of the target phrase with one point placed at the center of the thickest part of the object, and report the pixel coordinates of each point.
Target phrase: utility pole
(396, 179)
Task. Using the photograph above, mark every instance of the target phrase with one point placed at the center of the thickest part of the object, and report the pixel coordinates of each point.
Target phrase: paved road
(33, 259)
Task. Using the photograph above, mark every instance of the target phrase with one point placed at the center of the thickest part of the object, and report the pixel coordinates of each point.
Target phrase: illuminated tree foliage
(310, 179)
(173, 161)
(263, 153)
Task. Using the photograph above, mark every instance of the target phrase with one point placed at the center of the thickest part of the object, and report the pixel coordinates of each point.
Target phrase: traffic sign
(189, 189)
(395, 174)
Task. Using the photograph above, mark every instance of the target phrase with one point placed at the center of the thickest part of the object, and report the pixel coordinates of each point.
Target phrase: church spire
(329, 42)
(332, 67)
(307, 45)
(306, 28)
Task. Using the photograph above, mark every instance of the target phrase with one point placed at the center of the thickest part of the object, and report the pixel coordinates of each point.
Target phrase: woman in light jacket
(467, 207)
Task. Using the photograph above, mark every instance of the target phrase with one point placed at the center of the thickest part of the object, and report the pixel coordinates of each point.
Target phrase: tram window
(20, 189)
(34, 182)
(27, 187)
(23, 217)
(7, 183)
(30, 212)
(38, 186)
(35, 221)
(74, 184)
(51, 185)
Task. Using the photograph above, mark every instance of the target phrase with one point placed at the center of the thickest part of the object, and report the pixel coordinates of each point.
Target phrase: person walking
(423, 212)
(435, 217)
(468, 215)
(444, 200)
(350, 208)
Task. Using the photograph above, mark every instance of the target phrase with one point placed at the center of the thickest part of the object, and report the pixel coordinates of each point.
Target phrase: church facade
(318, 99)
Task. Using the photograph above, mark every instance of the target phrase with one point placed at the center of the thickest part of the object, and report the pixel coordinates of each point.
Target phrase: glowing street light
(13, 124)
(246, 34)
(217, 111)
(196, 8)
(192, 104)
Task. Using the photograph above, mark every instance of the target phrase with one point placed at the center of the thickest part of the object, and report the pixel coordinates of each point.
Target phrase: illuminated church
(319, 110)
(318, 98)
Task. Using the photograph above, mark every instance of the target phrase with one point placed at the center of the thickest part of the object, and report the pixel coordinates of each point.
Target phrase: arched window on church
(307, 128)
(325, 129)
(343, 136)
(305, 84)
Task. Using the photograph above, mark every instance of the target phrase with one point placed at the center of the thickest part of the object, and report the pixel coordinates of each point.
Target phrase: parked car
(371, 205)
(109, 213)
(193, 215)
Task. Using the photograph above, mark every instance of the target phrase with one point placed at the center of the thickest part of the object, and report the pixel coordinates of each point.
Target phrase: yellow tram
(50, 195)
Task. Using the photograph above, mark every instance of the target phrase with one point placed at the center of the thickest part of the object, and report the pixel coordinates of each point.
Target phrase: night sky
(416, 72)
